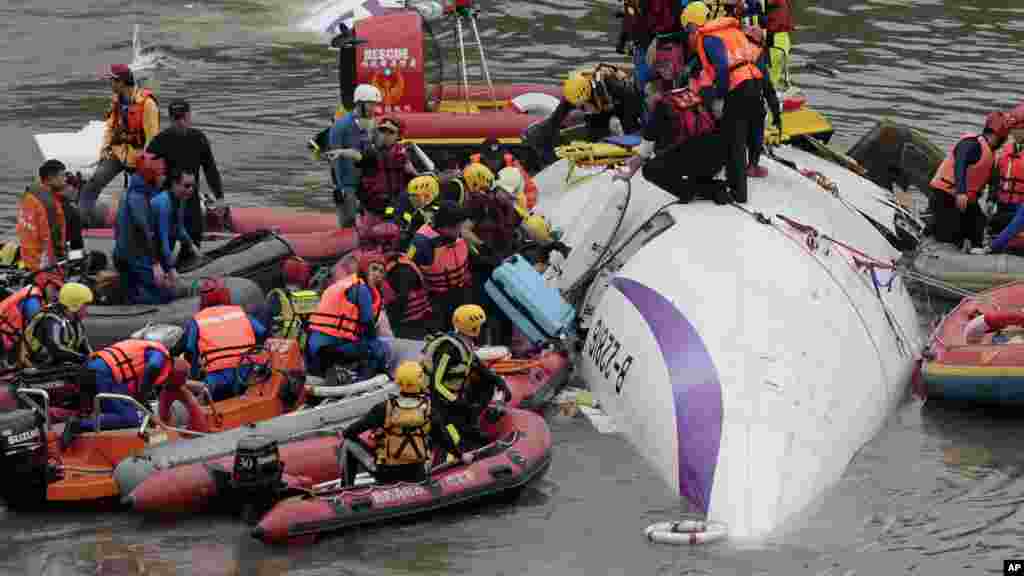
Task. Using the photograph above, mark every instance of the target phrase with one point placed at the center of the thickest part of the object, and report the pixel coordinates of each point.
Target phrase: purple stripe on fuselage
(695, 388)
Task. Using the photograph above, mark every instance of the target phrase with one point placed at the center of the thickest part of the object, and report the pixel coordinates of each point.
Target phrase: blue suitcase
(538, 310)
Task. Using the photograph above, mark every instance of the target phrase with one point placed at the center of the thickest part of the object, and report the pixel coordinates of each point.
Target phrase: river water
(938, 491)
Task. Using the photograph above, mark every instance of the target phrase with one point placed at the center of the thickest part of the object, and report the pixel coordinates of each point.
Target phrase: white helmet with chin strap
(367, 93)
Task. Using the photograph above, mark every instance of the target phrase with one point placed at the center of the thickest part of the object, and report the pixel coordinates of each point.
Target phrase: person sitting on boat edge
(612, 107)
(18, 309)
(217, 340)
(461, 386)
(960, 179)
(348, 139)
(133, 120)
(403, 433)
(344, 326)
(1009, 217)
(132, 367)
(186, 148)
(386, 171)
(443, 257)
(56, 335)
(169, 207)
(42, 223)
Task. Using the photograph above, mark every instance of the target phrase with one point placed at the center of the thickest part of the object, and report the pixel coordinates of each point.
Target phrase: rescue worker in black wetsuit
(186, 149)
(56, 335)
(413, 208)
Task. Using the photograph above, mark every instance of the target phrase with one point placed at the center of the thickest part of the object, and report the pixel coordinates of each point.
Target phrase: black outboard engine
(256, 479)
(23, 458)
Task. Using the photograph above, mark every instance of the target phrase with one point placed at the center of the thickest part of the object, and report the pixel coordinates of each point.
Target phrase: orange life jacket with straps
(978, 174)
(127, 362)
(741, 53)
(1011, 176)
(450, 267)
(418, 305)
(403, 438)
(691, 118)
(133, 127)
(225, 334)
(12, 322)
(337, 316)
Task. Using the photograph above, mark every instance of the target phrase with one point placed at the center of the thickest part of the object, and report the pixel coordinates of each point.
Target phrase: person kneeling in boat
(959, 181)
(169, 208)
(403, 432)
(132, 368)
(612, 105)
(1009, 216)
(681, 150)
(344, 326)
(217, 340)
(410, 210)
(443, 257)
(462, 387)
(56, 335)
(18, 309)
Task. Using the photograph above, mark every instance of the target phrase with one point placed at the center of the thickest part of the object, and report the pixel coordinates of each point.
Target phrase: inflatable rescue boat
(986, 368)
(747, 350)
(520, 452)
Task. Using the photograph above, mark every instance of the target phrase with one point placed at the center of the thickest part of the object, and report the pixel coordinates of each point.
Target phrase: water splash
(146, 60)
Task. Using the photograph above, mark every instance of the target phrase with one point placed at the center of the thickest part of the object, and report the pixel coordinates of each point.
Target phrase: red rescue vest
(225, 335)
(450, 267)
(418, 305)
(12, 323)
(1011, 176)
(978, 174)
(127, 362)
(692, 119)
(337, 316)
(382, 188)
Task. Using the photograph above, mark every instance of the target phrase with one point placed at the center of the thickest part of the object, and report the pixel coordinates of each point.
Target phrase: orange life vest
(134, 125)
(127, 362)
(225, 334)
(450, 267)
(742, 54)
(12, 323)
(529, 186)
(1011, 176)
(691, 118)
(778, 16)
(978, 174)
(337, 316)
(404, 437)
(41, 228)
(418, 306)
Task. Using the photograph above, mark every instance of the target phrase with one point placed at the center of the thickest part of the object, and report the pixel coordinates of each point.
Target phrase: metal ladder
(470, 13)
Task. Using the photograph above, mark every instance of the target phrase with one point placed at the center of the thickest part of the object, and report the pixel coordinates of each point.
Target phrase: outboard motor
(23, 457)
(256, 479)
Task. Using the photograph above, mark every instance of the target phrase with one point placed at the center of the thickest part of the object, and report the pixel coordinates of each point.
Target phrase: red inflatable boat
(519, 453)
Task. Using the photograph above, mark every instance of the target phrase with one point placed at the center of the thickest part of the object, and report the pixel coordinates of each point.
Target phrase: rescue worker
(386, 170)
(217, 341)
(960, 179)
(404, 296)
(187, 149)
(348, 139)
(132, 121)
(140, 263)
(55, 335)
(443, 258)
(460, 384)
(19, 308)
(41, 228)
(1008, 221)
(411, 210)
(402, 426)
(681, 150)
(728, 85)
(643, 20)
(510, 181)
(169, 208)
(613, 107)
(344, 326)
(131, 367)
(776, 19)
(493, 155)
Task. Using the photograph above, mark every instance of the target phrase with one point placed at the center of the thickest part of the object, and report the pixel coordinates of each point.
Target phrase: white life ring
(686, 532)
(535, 103)
(492, 353)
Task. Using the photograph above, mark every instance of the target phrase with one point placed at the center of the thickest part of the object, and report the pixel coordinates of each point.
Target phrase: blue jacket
(116, 413)
(191, 343)
(346, 133)
(135, 227)
(170, 226)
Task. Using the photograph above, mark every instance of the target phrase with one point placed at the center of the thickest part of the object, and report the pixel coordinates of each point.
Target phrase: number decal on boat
(605, 350)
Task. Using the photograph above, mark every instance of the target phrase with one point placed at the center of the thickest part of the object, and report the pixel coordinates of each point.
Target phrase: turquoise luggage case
(538, 310)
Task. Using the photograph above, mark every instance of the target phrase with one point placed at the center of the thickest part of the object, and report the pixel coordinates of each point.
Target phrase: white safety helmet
(367, 93)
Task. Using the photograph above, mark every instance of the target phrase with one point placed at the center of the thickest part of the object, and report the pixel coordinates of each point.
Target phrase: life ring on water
(196, 417)
(686, 532)
(535, 103)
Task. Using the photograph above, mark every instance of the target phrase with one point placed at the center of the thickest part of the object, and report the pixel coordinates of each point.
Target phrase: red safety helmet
(368, 258)
(151, 167)
(999, 123)
(213, 292)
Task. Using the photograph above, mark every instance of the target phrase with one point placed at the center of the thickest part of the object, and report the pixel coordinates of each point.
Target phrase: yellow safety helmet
(468, 319)
(409, 377)
(695, 13)
(537, 228)
(478, 177)
(424, 189)
(9, 254)
(577, 88)
(74, 295)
